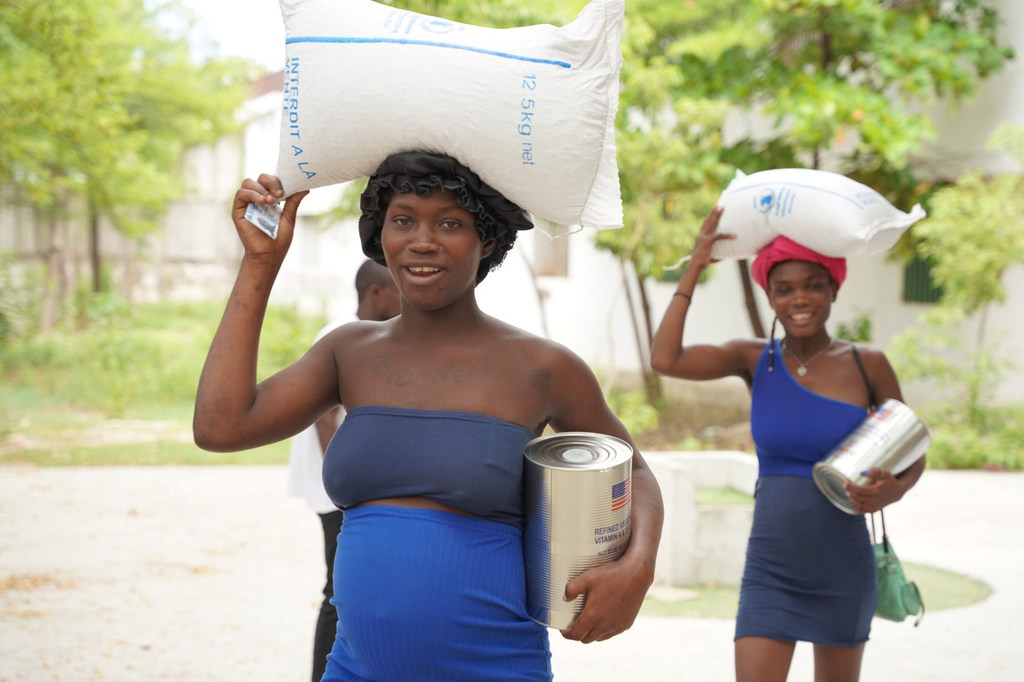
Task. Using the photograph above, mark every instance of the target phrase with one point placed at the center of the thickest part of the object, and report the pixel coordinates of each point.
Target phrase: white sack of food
(824, 211)
(531, 110)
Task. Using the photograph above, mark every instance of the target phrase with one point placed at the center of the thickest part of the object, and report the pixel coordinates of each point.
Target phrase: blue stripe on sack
(426, 43)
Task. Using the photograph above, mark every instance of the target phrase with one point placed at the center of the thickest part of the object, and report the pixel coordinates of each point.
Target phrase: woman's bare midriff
(412, 502)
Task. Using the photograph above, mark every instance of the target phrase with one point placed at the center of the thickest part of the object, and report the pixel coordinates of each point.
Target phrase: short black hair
(497, 218)
(371, 273)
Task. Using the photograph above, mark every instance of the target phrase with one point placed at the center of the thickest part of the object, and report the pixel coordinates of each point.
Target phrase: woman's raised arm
(231, 411)
(700, 362)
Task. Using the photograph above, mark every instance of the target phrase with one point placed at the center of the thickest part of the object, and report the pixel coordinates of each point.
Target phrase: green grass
(132, 358)
(50, 433)
(709, 601)
(941, 589)
(153, 453)
(116, 384)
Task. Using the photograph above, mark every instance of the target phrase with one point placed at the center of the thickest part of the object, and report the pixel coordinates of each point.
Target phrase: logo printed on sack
(765, 200)
(780, 203)
(396, 21)
(868, 198)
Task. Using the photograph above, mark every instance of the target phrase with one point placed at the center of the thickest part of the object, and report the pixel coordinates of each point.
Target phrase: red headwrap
(783, 249)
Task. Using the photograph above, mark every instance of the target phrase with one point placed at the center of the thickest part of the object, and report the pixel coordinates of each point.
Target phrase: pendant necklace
(802, 369)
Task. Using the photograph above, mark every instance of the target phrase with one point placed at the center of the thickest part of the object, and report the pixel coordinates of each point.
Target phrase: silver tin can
(891, 438)
(578, 492)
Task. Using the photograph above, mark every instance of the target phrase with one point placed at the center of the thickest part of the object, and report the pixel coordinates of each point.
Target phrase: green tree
(974, 233)
(669, 144)
(99, 101)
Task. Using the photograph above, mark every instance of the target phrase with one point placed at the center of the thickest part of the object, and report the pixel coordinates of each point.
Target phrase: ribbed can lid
(578, 450)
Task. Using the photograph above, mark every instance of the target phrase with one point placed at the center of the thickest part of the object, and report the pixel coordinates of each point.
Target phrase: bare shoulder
(543, 362)
(349, 346)
(540, 352)
(872, 357)
(881, 374)
(355, 331)
(747, 347)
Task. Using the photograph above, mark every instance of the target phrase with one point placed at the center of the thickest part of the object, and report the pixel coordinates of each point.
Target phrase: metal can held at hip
(577, 489)
(891, 438)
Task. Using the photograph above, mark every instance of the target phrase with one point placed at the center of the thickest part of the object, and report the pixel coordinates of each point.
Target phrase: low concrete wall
(702, 544)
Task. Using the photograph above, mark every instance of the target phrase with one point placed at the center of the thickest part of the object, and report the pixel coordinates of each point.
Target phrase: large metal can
(577, 488)
(892, 438)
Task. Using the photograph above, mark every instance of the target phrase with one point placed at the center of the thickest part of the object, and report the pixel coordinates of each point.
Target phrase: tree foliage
(973, 235)
(99, 101)
(857, 74)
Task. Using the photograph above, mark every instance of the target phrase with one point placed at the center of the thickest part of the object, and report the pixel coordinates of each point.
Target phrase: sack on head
(823, 211)
(531, 110)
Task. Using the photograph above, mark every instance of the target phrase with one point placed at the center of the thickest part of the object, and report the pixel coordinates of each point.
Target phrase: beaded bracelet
(684, 295)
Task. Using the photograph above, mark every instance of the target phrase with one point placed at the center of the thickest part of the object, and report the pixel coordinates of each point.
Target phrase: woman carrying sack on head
(428, 464)
(810, 571)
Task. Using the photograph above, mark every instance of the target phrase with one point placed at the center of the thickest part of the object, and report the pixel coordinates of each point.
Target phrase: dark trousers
(327, 621)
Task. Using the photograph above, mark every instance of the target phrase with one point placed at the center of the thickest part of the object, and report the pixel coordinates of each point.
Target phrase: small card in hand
(264, 217)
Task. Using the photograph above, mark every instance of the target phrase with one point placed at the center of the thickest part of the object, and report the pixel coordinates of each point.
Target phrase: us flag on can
(620, 495)
(884, 413)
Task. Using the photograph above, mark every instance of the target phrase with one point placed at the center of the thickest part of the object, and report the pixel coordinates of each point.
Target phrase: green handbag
(897, 596)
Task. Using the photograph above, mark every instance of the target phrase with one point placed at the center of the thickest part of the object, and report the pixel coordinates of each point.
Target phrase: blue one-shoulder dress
(426, 595)
(809, 573)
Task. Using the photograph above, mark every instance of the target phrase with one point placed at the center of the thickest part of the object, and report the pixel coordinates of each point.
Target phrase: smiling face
(801, 294)
(432, 248)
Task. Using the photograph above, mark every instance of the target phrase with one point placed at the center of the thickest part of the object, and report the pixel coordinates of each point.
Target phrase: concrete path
(210, 574)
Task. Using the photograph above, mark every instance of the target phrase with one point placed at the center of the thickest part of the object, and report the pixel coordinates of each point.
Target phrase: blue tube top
(471, 462)
(792, 426)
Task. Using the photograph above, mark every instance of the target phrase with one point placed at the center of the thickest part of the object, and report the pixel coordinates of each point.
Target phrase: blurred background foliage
(116, 366)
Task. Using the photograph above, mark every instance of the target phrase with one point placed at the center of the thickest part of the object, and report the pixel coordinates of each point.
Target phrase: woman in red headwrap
(809, 573)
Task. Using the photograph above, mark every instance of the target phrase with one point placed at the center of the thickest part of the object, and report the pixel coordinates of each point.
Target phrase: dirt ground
(192, 574)
(212, 574)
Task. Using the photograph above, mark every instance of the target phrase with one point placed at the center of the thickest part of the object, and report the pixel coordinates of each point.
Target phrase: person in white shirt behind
(379, 300)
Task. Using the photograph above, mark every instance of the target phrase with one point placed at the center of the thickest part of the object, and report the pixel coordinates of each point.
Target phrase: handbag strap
(885, 536)
(864, 374)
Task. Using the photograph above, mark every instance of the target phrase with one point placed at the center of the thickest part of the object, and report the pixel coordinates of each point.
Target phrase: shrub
(999, 446)
(130, 356)
(634, 411)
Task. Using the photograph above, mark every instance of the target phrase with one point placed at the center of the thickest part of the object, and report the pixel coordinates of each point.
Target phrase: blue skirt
(810, 569)
(430, 595)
